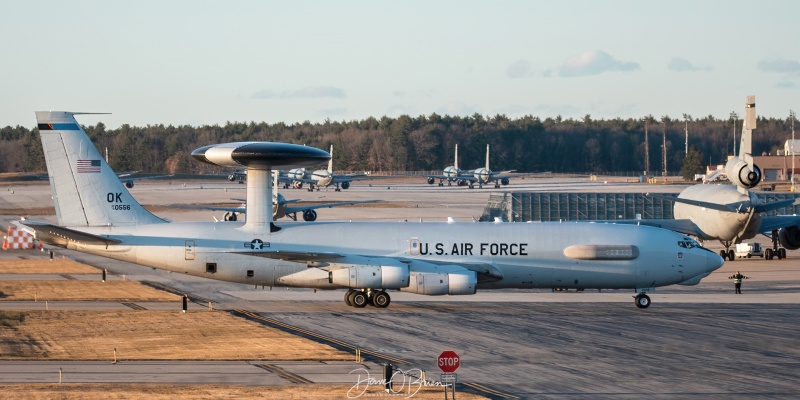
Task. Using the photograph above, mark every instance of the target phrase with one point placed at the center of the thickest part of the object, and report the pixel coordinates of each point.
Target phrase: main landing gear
(775, 251)
(727, 254)
(642, 300)
(363, 298)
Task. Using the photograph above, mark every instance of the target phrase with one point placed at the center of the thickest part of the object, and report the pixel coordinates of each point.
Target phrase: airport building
(552, 206)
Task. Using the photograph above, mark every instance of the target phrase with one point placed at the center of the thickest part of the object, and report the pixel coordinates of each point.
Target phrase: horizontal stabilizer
(733, 207)
(45, 229)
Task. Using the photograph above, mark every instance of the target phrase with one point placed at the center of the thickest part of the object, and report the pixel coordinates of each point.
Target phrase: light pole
(686, 131)
(791, 148)
(733, 117)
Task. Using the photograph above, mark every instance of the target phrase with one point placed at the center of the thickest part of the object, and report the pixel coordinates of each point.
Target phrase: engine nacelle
(129, 184)
(345, 185)
(741, 175)
(790, 237)
(231, 177)
(435, 284)
(431, 180)
(230, 216)
(371, 276)
(309, 215)
(505, 181)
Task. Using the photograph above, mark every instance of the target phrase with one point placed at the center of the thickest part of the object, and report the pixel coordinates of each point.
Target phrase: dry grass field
(163, 392)
(149, 335)
(75, 290)
(46, 266)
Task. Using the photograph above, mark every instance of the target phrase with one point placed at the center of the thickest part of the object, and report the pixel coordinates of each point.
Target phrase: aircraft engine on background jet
(370, 276)
(431, 180)
(309, 215)
(740, 173)
(231, 177)
(230, 216)
(505, 181)
(790, 237)
(437, 284)
(129, 184)
(345, 185)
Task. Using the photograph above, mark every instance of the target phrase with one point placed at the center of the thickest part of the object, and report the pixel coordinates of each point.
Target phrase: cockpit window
(688, 243)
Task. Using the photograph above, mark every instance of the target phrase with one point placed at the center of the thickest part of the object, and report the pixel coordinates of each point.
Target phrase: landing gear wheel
(359, 300)
(642, 300)
(731, 255)
(768, 254)
(347, 297)
(723, 254)
(381, 299)
(782, 253)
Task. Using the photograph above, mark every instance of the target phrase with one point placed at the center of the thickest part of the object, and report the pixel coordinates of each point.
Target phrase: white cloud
(308, 92)
(780, 65)
(519, 69)
(592, 63)
(786, 85)
(683, 65)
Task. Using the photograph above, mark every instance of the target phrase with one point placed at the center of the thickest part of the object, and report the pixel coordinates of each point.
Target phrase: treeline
(423, 143)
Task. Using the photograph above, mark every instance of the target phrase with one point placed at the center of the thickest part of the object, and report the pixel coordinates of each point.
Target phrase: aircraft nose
(713, 261)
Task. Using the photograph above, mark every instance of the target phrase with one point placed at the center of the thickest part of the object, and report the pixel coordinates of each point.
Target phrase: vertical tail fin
(330, 162)
(748, 125)
(86, 192)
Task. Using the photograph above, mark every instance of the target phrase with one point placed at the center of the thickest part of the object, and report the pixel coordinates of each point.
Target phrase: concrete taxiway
(699, 341)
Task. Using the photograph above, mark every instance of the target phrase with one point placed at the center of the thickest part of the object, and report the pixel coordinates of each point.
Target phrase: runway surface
(699, 341)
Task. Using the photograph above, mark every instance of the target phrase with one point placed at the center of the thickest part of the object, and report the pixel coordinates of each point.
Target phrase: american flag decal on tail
(88, 166)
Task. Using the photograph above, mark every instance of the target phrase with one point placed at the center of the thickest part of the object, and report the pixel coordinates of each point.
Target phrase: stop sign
(449, 361)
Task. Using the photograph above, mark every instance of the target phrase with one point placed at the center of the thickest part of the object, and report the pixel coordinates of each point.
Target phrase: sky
(210, 62)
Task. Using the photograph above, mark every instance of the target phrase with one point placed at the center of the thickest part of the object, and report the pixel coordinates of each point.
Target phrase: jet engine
(504, 181)
(431, 181)
(437, 284)
(298, 185)
(370, 276)
(790, 237)
(129, 184)
(231, 177)
(740, 173)
(309, 215)
(345, 185)
(230, 216)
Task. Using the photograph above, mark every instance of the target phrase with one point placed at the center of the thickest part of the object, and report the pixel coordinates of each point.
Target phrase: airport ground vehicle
(748, 250)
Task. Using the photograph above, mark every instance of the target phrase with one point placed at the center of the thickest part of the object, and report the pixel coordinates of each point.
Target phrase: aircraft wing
(300, 209)
(58, 232)
(485, 272)
(769, 224)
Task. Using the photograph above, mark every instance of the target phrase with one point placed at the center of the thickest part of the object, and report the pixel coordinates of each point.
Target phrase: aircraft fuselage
(720, 225)
(504, 255)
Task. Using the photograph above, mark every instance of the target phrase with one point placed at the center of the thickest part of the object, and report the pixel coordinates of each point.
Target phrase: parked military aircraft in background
(450, 174)
(479, 176)
(280, 207)
(96, 214)
(733, 213)
(297, 177)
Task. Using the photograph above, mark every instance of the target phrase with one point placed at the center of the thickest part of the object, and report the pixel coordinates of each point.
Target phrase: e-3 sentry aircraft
(733, 213)
(96, 214)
